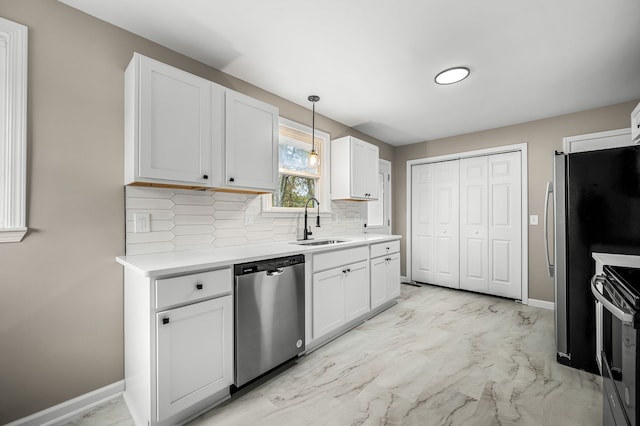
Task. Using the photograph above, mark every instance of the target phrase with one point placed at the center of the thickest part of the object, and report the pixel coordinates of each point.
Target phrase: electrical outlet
(533, 219)
(141, 223)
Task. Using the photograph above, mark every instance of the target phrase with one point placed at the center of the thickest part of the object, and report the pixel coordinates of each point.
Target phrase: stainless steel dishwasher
(269, 315)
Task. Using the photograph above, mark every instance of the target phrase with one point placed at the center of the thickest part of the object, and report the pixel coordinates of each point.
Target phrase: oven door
(618, 356)
(613, 412)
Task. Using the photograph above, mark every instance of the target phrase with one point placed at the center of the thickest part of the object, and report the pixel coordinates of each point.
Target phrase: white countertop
(158, 264)
(611, 259)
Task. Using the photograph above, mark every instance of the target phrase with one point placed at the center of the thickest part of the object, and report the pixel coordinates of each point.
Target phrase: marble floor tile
(438, 357)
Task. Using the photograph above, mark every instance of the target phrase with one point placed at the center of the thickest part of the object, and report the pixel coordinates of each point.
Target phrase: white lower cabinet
(385, 279)
(194, 354)
(356, 290)
(342, 293)
(328, 301)
(178, 344)
(385, 273)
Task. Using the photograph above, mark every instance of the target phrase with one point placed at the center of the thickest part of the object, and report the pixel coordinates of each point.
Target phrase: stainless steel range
(618, 290)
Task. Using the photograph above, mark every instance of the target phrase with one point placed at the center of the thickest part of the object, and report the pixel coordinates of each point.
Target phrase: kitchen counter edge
(187, 261)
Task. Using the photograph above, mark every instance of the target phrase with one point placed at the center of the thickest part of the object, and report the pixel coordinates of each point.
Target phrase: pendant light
(313, 160)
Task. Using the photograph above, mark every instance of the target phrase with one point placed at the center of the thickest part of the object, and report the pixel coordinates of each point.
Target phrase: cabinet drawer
(333, 259)
(382, 249)
(192, 287)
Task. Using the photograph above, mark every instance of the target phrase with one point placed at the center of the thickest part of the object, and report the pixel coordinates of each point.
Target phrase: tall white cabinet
(466, 224)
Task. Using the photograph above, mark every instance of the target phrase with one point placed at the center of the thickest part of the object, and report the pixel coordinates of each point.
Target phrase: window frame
(13, 134)
(324, 191)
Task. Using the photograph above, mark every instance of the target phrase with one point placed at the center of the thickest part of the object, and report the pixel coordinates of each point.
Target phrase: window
(13, 130)
(297, 181)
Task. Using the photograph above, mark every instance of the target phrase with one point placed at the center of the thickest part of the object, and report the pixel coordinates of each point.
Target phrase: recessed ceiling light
(452, 75)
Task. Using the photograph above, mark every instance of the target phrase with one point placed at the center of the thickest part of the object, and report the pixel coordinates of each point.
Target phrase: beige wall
(61, 325)
(543, 137)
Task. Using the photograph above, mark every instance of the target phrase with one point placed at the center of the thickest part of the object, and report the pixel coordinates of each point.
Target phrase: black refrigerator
(596, 198)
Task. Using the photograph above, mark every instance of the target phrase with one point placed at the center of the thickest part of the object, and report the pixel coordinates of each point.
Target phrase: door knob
(205, 176)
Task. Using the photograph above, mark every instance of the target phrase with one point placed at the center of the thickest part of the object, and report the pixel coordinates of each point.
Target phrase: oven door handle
(621, 314)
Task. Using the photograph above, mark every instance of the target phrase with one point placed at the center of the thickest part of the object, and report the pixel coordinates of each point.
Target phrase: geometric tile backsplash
(183, 219)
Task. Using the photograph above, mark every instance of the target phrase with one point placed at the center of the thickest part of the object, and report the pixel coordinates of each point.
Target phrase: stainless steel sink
(318, 242)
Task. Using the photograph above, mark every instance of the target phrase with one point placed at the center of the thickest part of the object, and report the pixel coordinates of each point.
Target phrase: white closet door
(422, 223)
(447, 232)
(505, 226)
(474, 246)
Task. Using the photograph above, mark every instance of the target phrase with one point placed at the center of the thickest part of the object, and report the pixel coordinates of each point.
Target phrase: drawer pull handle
(199, 286)
(165, 321)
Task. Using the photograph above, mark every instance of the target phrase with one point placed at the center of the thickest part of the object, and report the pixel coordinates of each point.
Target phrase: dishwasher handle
(275, 272)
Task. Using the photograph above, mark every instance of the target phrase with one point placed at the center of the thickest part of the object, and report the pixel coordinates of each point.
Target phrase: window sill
(12, 235)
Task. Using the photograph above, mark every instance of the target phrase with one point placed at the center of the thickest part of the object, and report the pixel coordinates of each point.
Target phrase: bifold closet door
(505, 225)
(435, 223)
(422, 223)
(474, 224)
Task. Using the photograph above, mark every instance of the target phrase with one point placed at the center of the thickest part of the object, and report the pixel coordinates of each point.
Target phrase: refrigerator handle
(548, 195)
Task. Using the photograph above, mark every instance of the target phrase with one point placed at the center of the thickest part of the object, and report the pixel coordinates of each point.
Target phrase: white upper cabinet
(251, 143)
(168, 122)
(183, 130)
(354, 169)
(635, 124)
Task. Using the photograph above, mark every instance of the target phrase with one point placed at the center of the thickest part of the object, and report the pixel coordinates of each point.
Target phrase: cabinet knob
(232, 180)
(205, 176)
(199, 286)
(165, 321)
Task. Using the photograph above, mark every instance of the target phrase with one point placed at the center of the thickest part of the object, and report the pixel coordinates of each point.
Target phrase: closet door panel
(474, 245)
(422, 223)
(447, 233)
(505, 226)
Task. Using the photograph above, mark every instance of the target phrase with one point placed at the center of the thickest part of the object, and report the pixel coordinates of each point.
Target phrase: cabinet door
(474, 246)
(373, 162)
(251, 146)
(393, 276)
(328, 301)
(364, 169)
(378, 281)
(194, 354)
(356, 290)
(175, 119)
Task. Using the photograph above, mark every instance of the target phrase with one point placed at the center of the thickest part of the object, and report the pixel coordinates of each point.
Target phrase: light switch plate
(141, 223)
(533, 219)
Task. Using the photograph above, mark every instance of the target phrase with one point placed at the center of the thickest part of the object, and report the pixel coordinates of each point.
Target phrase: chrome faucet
(307, 230)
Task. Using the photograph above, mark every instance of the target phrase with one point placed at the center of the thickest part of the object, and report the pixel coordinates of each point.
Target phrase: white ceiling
(373, 62)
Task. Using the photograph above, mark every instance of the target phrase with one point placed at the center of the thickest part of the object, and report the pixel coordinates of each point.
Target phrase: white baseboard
(64, 411)
(541, 304)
